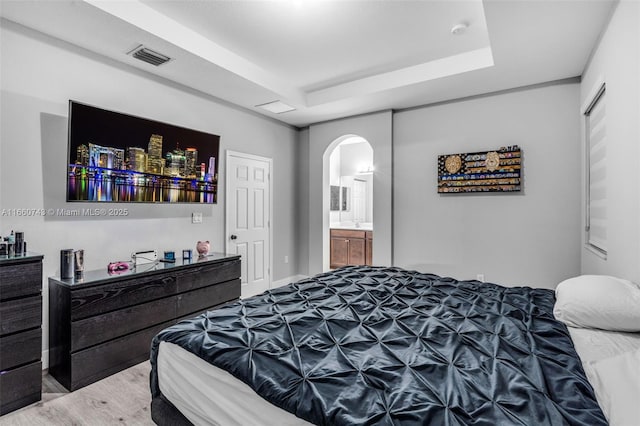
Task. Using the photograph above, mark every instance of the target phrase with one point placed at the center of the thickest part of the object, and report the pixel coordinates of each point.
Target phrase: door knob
(233, 237)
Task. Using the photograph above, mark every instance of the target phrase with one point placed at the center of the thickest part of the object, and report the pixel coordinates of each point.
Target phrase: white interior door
(359, 200)
(248, 218)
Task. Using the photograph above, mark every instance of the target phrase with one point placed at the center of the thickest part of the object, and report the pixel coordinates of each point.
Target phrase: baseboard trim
(288, 280)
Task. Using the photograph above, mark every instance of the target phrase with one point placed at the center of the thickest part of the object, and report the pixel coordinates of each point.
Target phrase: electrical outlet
(196, 217)
(480, 277)
(286, 259)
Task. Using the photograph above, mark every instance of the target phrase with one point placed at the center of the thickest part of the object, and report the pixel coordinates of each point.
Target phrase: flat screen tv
(115, 157)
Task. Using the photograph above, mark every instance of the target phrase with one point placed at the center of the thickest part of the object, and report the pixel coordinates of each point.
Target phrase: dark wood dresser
(20, 331)
(104, 323)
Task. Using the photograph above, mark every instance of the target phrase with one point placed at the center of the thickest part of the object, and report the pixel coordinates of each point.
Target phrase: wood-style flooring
(121, 399)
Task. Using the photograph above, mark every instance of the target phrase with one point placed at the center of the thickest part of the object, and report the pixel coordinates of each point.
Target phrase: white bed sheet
(594, 345)
(611, 361)
(208, 395)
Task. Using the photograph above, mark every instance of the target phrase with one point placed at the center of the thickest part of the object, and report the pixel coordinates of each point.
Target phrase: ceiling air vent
(149, 56)
(277, 107)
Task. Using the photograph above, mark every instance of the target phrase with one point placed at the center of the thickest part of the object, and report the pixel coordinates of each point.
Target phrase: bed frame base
(164, 413)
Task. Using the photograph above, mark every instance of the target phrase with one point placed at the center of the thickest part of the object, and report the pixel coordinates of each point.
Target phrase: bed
(374, 345)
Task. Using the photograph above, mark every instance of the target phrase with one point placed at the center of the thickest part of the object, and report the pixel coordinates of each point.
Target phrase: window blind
(596, 132)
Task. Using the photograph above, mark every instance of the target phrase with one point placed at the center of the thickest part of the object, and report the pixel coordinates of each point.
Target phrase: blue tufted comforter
(372, 345)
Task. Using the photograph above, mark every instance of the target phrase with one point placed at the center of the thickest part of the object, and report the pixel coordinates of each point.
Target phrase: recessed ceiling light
(276, 107)
(459, 28)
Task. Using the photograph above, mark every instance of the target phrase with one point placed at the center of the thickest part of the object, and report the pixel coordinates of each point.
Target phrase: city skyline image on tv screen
(115, 157)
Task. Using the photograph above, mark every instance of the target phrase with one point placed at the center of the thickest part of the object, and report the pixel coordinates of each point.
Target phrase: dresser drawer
(96, 300)
(20, 348)
(206, 275)
(101, 361)
(207, 297)
(19, 387)
(20, 314)
(20, 280)
(94, 330)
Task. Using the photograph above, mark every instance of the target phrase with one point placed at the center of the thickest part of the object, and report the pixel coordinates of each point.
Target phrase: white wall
(616, 60)
(355, 157)
(335, 164)
(39, 76)
(529, 238)
(303, 207)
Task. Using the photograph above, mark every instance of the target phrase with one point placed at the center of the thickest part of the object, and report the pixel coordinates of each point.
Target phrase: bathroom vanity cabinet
(350, 247)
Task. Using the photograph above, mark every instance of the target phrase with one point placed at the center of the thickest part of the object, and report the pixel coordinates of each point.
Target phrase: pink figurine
(203, 248)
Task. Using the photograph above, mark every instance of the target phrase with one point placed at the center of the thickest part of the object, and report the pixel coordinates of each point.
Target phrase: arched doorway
(351, 201)
(376, 128)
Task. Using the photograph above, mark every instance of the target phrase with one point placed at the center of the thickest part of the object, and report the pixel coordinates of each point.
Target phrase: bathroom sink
(364, 226)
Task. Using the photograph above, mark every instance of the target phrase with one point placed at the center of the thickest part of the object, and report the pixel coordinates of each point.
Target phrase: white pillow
(616, 382)
(598, 301)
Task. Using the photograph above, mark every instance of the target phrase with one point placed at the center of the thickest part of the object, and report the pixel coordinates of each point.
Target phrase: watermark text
(62, 212)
